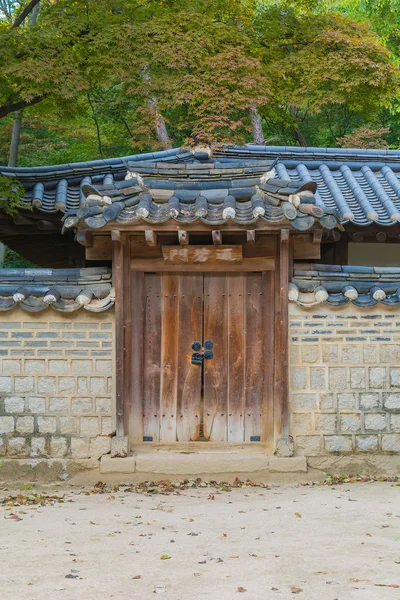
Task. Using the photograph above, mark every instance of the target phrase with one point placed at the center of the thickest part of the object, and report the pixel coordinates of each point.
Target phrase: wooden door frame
(129, 314)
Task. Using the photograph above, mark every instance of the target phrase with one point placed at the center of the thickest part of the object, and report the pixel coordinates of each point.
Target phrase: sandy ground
(328, 543)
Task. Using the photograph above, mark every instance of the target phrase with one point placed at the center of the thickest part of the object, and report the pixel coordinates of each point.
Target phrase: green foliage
(11, 194)
(15, 261)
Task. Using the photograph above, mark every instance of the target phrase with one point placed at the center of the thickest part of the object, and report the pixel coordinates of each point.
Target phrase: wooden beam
(195, 255)
(251, 237)
(84, 238)
(381, 236)
(183, 237)
(358, 236)
(317, 236)
(158, 264)
(118, 283)
(216, 237)
(281, 412)
(150, 237)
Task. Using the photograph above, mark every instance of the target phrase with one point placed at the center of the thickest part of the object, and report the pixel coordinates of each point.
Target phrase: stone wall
(345, 380)
(56, 384)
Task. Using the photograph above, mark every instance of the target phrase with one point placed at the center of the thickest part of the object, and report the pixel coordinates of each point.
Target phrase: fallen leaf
(296, 514)
(295, 590)
(164, 557)
(241, 589)
(137, 577)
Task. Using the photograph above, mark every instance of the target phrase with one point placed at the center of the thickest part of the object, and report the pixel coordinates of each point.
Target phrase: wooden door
(228, 398)
(238, 380)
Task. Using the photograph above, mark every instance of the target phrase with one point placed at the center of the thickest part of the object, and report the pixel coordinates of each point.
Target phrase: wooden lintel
(158, 264)
(195, 255)
(183, 237)
(251, 237)
(84, 238)
(150, 237)
(317, 236)
(216, 237)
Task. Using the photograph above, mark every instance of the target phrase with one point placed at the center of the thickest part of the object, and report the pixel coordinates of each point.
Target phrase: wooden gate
(228, 397)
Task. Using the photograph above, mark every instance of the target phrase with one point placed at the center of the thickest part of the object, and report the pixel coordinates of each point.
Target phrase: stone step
(205, 463)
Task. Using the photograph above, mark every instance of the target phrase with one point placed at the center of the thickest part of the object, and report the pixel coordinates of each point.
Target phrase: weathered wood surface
(236, 355)
(215, 371)
(194, 255)
(151, 237)
(158, 264)
(118, 269)
(189, 376)
(268, 334)
(134, 299)
(152, 355)
(169, 357)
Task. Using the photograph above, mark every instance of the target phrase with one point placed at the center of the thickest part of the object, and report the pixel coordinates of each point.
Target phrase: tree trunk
(159, 122)
(296, 129)
(256, 124)
(13, 156)
(2, 254)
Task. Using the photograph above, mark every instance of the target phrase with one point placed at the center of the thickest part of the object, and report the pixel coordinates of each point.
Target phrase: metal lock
(196, 346)
(197, 358)
(208, 354)
(202, 352)
(209, 345)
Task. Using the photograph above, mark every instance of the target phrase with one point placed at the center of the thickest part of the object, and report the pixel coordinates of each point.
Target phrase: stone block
(298, 377)
(18, 447)
(89, 426)
(6, 424)
(99, 446)
(38, 446)
(34, 366)
(308, 445)
(317, 376)
(14, 404)
(103, 405)
(347, 401)
(330, 353)
(370, 354)
(47, 424)
(366, 443)
(68, 425)
(338, 443)
(106, 425)
(304, 401)
(390, 354)
(58, 366)
(377, 377)
(58, 447)
(169, 463)
(47, 385)
(285, 446)
(11, 366)
(119, 446)
(327, 402)
(351, 354)
(310, 353)
(326, 422)
(301, 423)
(395, 422)
(66, 385)
(337, 379)
(294, 464)
(117, 465)
(368, 401)
(391, 442)
(24, 385)
(104, 367)
(357, 378)
(394, 377)
(25, 425)
(97, 385)
(375, 421)
(83, 387)
(350, 422)
(81, 405)
(82, 367)
(5, 385)
(391, 401)
(79, 448)
(58, 405)
(2, 446)
(36, 405)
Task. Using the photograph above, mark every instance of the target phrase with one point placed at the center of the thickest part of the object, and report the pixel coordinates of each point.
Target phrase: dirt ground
(326, 543)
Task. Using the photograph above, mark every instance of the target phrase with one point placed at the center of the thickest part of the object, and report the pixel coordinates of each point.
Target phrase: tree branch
(25, 13)
(13, 105)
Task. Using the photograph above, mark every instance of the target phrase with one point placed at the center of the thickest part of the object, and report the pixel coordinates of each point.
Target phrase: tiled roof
(337, 285)
(362, 185)
(64, 290)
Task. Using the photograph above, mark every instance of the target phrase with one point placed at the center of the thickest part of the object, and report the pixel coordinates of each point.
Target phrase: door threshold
(199, 447)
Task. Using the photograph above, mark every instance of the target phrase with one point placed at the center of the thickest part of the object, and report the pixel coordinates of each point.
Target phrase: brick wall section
(56, 384)
(345, 380)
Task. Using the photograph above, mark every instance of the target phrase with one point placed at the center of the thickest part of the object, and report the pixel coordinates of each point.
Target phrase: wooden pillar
(118, 283)
(281, 399)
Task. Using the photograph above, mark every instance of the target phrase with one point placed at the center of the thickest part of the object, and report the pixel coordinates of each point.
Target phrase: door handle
(202, 352)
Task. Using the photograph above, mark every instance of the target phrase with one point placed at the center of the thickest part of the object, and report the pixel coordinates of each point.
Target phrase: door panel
(215, 370)
(152, 355)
